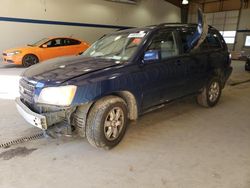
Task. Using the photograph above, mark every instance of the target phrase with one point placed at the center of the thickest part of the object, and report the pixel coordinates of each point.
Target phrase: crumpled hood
(61, 69)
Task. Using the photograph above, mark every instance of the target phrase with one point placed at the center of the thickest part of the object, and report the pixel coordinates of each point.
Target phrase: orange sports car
(44, 49)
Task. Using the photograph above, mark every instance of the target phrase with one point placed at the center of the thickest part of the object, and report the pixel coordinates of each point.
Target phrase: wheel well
(218, 72)
(129, 98)
(82, 111)
(33, 55)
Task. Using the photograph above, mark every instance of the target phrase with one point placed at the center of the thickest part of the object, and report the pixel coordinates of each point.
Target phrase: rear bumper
(42, 121)
(227, 74)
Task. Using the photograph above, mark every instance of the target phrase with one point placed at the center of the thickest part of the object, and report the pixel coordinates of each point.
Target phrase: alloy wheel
(30, 60)
(114, 123)
(214, 91)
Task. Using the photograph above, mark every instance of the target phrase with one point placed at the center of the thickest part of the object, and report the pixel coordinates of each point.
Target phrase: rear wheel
(107, 122)
(29, 60)
(247, 67)
(210, 94)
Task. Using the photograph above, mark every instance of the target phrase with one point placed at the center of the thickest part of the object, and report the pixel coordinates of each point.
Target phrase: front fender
(91, 92)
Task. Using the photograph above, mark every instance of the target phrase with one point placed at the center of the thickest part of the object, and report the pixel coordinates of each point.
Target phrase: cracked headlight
(14, 53)
(61, 96)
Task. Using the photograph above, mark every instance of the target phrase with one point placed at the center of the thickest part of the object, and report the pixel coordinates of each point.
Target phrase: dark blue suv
(123, 75)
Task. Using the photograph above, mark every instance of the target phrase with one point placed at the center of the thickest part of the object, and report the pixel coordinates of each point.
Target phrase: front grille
(26, 89)
(4, 54)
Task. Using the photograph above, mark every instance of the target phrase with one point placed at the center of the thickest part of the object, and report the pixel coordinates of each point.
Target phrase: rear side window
(213, 41)
(203, 47)
(69, 42)
(164, 41)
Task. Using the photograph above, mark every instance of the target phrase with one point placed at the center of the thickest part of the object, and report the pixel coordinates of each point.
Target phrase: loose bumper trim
(42, 121)
(31, 117)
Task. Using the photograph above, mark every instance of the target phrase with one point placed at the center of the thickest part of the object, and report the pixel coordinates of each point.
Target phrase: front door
(54, 48)
(164, 79)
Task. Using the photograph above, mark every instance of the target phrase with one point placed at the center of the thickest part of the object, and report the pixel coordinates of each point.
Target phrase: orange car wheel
(29, 60)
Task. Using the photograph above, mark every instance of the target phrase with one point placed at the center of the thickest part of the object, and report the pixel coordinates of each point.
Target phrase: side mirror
(44, 46)
(151, 55)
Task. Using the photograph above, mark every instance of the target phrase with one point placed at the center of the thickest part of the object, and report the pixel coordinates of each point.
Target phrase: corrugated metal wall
(223, 21)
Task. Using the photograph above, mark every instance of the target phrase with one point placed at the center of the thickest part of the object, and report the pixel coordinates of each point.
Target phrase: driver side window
(54, 43)
(165, 43)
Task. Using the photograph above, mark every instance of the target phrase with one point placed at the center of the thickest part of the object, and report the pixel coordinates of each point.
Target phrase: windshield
(38, 43)
(119, 46)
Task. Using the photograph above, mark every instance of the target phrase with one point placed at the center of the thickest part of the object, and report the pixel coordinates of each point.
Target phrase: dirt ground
(179, 146)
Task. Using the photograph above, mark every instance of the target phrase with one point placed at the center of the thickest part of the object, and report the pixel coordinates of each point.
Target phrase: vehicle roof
(162, 25)
(52, 37)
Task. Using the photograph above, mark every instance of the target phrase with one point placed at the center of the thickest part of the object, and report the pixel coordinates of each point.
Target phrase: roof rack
(175, 24)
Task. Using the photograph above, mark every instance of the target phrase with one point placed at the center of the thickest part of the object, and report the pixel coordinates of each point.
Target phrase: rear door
(71, 46)
(202, 61)
(196, 61)
(218, 54)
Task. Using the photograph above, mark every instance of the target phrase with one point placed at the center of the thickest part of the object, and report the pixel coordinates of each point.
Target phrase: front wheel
(107, 122)
(210, 94)
(29, 60)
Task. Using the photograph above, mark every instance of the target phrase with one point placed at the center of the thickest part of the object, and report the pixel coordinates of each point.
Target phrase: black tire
(247, 65)
(205, 98)
(247, 68)
(98, 118)
(29, 60)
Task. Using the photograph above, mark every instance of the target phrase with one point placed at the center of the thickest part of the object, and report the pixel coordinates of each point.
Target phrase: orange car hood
(24, 48)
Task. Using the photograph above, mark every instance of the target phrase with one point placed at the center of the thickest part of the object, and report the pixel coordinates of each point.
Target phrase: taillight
(229, 58)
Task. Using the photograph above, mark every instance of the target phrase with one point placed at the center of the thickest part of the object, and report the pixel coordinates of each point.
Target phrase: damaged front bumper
(42, 121)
